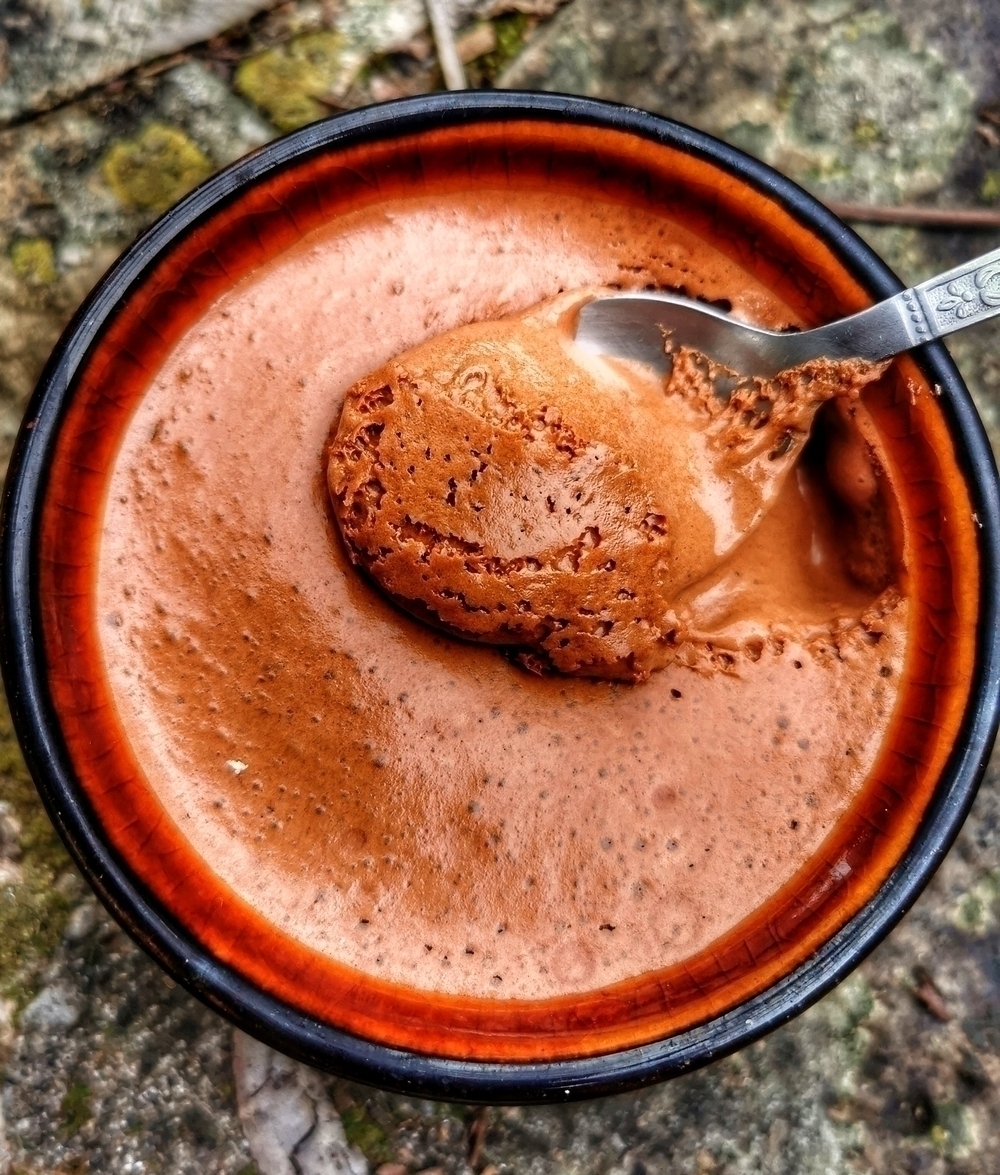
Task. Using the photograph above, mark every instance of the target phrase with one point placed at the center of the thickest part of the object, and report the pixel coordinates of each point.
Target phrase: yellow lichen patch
(155, 168)
(286, 81)
(990, 189)
(866, 131)
(34, 261)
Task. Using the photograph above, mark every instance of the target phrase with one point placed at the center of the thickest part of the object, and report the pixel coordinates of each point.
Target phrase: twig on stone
(444, 39)
(927, 994)
(917, 215)
(477, 1137)
(477, 42)
(988, 134)
(334, 105)
(221, 48)
(154, 68)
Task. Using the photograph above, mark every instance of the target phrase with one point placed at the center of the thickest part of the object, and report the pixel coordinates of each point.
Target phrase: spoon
(639, 326)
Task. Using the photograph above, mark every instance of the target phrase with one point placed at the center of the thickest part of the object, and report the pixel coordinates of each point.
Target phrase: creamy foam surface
(416, 806)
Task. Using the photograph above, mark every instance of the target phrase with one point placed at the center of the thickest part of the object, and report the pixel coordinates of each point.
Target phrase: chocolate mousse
(412, 804)
(503, 484)
(392, 828)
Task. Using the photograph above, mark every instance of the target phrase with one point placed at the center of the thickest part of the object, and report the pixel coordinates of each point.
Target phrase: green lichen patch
(287, 81)
(850, 1005)
(977, 910)
(364, 1133)
(34, 261)
(155, 168)
(75, 1107)
(33, 911)
(846, 1016)
(510, 32)
(724, 9)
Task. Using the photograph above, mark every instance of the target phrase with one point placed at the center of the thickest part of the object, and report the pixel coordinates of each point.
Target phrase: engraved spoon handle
(964, 295)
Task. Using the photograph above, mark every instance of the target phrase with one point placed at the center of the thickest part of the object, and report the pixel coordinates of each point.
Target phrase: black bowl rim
(173, 947)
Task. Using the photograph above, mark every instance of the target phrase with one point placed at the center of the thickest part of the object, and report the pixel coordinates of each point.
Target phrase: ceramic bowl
(783, 958)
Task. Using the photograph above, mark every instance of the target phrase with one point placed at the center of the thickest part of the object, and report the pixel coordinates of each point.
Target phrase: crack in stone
(289, 1121)
(293, 1155)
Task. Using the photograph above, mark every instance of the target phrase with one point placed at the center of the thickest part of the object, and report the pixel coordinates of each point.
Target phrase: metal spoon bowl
(639, 325)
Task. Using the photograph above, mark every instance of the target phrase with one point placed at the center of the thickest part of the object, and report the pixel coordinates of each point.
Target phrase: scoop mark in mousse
(501, 484)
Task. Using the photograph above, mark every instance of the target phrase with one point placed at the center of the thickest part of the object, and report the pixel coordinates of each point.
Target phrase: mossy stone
(364, 1133)
(510, 31)
(33, 912)
(978, 910)
(285, 82)
(155, 168)
(34, 260)
(76, 1107)
(872, 117)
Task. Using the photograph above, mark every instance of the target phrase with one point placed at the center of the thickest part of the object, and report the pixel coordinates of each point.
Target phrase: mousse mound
(504, 486)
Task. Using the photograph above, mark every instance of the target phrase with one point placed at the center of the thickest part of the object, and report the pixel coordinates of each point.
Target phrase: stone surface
(77, 184)
(111, 1067)
(855, 100)
(138, 1080)
(289, 1119)
(53, 1010)
(54, 49)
